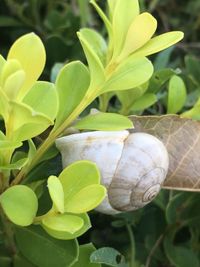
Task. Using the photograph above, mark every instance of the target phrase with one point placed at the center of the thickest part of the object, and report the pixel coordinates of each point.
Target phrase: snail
(135, 164)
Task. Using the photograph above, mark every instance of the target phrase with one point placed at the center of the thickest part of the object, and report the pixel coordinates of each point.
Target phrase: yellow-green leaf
(140, 32)
(124, 13)
(63, 223)
(86, 199)
(131, 73)
(20, 204)
(77, 176)
(30, 52)
(56, 192)
(159, 43)
(104, 122)
(13, 84)
(43, 98)
(177, 95)
(95, 64)
(64, 235)
(11, 66)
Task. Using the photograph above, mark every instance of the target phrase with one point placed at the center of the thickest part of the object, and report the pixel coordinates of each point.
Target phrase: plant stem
(9, 235)
(153, 250)
(132, 243)
(55, 134)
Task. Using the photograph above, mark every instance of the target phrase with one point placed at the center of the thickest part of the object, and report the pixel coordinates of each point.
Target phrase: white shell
(133, 166)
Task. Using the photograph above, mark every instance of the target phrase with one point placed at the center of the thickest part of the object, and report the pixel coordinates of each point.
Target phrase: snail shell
(133, 166)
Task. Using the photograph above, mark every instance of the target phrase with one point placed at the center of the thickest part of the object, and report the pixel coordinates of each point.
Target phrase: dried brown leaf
(182, 139)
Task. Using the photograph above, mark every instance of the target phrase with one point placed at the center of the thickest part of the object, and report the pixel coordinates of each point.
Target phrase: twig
(153, 250)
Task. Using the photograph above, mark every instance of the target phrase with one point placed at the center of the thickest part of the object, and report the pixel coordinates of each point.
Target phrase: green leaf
(54, 252)
(162, 59)
(68, 236)
(20, 261)
(97, 42)
(97, 76)
(56, 192)
(30, 52)
(84, 256)
(5, 261)
(70, 89)
(86, 199)
(7, 21)
(104, 122)
(77, 176)
(129, 74)
(123, 14)
(159, 78)
(128, 97)
(180, 256)
(193, 68)
(20, 204)
(173, 206)
(159, 43)
(177, 95)
(63, 223)
(144, 102)
(108, 256)
(43, 98)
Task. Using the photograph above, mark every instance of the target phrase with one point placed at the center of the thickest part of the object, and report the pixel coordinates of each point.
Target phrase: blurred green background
(167, 232)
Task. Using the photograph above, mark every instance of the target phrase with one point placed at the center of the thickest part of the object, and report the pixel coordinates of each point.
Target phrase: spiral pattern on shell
(133, 166)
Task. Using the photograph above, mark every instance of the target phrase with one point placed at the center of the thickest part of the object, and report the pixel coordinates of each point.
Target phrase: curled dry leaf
(182, 139)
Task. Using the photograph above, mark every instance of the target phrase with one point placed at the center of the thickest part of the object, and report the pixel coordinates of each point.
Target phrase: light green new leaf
(9, 144)
(77, 176)
(30, 52)
(16, 165)
(86, 199)
(97, 43)
(71, 89)
(84, 256)
(176, 95)
(56, 192)
(4, 105)
(13, 84)
(26, 123)
(20, 204)
(159, 43)
(128, 97)
(144, 102)
(123, 15)
(67, 235)
(129, 74)
(10, 67)
(193, 113)
(104, 122)
(45, 251)
(103, 17)
(97, 76)
(63, 223)
(2, 63)
(140, 32)
(43, 98)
